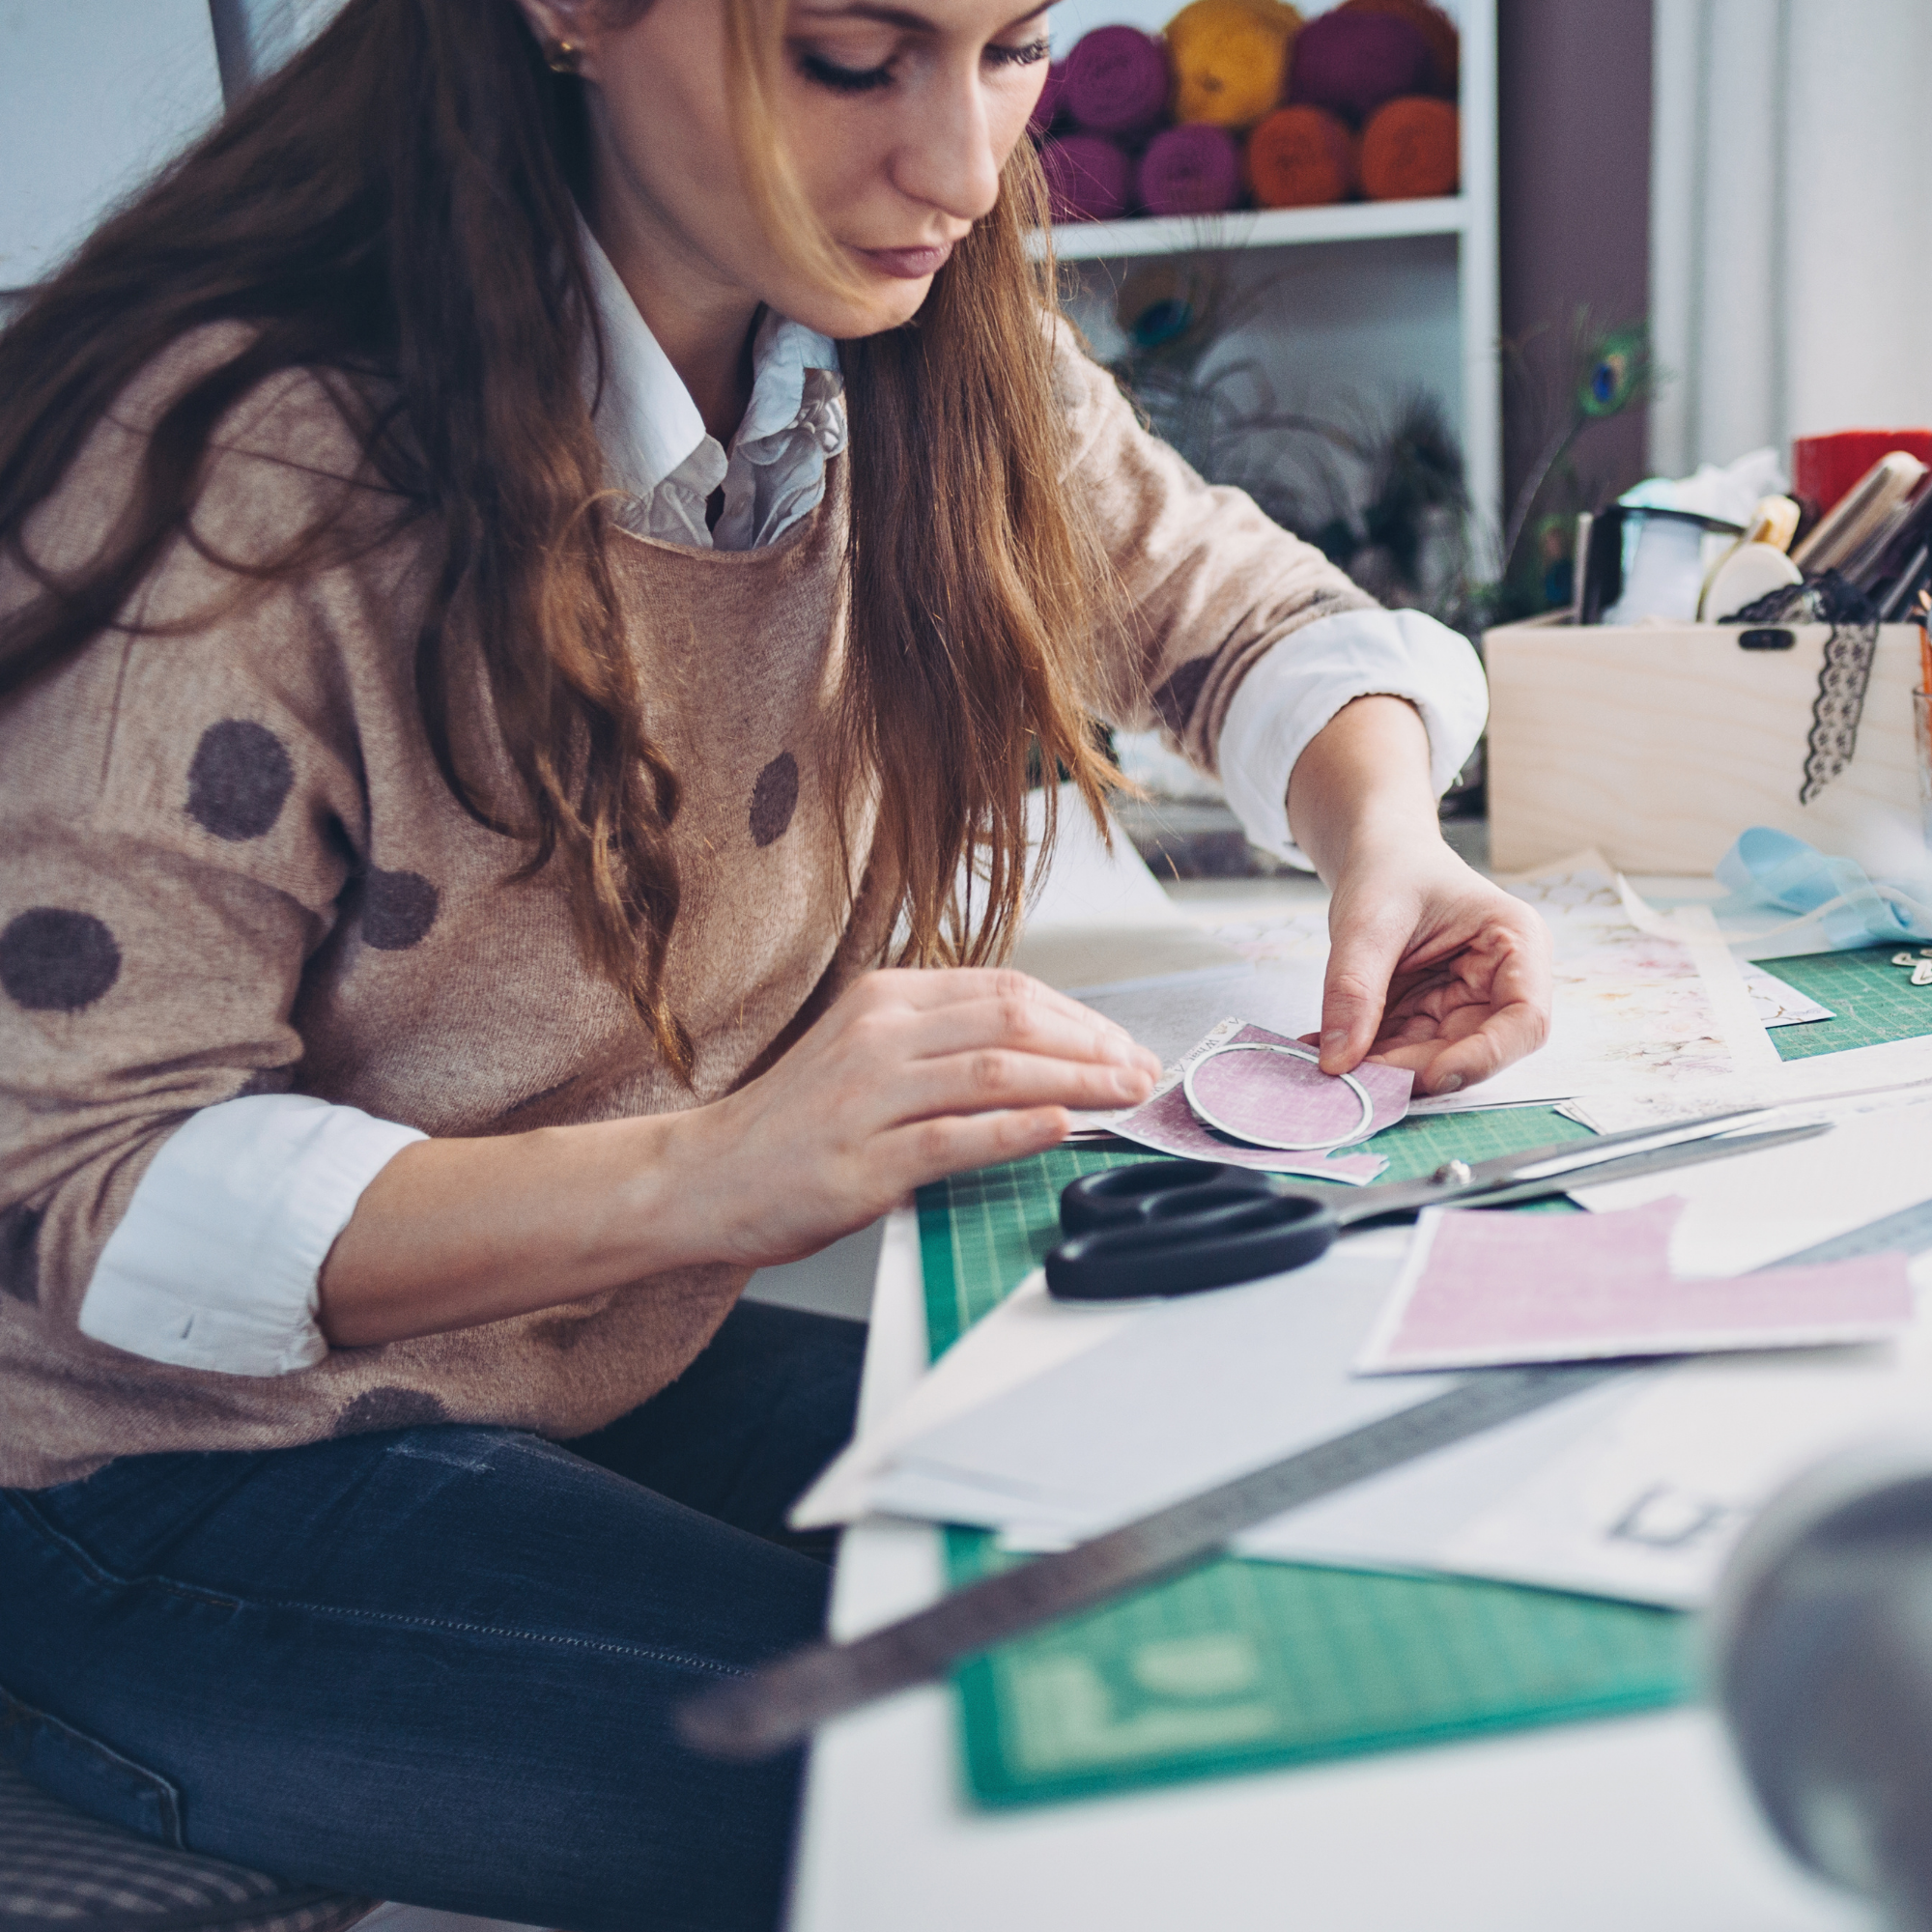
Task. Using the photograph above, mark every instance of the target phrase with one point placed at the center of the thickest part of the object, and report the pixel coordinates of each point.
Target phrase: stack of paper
(1153, 1403)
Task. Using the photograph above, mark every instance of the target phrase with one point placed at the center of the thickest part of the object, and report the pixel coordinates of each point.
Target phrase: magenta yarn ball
(1046, 109)
(1351, 63)
(1190, 170)
(1117, 82)
(1088, 176)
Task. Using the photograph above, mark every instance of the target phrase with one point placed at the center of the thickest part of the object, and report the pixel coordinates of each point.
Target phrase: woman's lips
(908, 264)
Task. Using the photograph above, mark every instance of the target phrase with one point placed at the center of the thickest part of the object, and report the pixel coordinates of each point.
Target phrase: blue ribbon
(1773, 868)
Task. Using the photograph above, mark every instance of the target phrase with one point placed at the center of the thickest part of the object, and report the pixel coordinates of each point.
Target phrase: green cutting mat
(1874, 1000)
(982, 1234)
(1238, 1665)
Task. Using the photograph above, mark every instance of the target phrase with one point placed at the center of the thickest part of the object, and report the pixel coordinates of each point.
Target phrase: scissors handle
(1179, 1228)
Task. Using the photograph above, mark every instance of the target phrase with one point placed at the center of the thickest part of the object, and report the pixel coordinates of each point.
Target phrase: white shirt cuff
(1300, 684)
(215, 1265)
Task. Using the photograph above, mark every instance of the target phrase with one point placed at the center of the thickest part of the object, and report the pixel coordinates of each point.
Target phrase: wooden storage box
(1659, 744)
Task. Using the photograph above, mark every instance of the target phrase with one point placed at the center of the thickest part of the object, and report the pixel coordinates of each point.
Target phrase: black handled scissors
(1177, 1227)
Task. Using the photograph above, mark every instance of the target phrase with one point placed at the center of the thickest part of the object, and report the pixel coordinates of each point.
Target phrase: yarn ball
(1191, 170)
(1117, 82)
(1410, 148)
(1046, 109)
(1435, 26)
(1351, 63)
(1089, 178)
(1301, 157)
(1230, 59)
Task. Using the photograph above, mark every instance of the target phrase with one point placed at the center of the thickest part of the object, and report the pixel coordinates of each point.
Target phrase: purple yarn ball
(1190, 170)
(1117, 82)
(1046, 109)
(1088, 176)
(1351, 63)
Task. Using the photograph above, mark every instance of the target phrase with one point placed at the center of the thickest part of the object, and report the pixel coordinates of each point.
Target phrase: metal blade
(1656, 1160)
(1396, 1197)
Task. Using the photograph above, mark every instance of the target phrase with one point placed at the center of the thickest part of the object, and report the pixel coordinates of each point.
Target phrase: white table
(1639, 1822)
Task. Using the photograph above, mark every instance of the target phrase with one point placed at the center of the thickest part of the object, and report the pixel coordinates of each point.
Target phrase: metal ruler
(782, 1704)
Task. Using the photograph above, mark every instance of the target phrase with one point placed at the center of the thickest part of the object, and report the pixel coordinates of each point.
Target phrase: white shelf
(1261, 228)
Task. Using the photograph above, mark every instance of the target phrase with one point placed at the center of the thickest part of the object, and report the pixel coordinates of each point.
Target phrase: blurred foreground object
(1822, 1660)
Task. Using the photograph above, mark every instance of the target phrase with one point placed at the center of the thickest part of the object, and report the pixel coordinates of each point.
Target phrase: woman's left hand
(1430, 966)
(1433, 967)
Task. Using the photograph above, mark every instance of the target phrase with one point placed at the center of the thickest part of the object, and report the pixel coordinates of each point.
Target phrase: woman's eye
(843, 79)
(1023, 55)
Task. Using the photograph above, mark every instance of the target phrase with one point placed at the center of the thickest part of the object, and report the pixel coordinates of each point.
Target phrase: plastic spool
(1207, 1119)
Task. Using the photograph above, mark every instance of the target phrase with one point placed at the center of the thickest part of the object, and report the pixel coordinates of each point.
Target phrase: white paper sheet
(1026, 1334)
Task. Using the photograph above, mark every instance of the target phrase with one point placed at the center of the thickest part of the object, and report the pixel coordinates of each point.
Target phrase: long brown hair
(347, 209)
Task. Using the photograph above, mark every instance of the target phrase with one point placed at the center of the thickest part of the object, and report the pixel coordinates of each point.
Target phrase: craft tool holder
(1659, 744)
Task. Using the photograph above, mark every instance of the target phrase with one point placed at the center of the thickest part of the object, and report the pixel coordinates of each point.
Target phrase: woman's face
(897, 117)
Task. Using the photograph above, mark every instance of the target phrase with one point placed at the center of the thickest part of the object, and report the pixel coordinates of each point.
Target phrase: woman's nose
(946, 157)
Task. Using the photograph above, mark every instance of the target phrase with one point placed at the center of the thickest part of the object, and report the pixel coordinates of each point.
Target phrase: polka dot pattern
(53, 961)
(397, 909)
(239, 779)
(21, 1253)
(389, 1408)
(774, 800)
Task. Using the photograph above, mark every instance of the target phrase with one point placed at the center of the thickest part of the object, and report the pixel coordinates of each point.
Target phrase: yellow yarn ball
(1230, 59)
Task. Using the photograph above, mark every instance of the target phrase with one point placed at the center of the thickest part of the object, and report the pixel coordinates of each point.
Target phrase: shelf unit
(1365, 231)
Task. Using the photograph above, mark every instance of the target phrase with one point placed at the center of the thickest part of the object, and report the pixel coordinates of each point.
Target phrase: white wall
(93, 94)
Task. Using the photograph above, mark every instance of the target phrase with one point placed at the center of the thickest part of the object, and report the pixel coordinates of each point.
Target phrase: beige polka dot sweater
(228, 867)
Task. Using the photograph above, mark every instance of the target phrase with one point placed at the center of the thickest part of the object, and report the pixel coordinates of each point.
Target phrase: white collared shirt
(668, 464)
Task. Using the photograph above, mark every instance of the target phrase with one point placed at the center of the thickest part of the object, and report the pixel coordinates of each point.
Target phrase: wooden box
(1659, 744)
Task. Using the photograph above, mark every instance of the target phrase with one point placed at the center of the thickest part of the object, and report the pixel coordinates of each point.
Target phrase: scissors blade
(1564, 1157)
(1631, 1166)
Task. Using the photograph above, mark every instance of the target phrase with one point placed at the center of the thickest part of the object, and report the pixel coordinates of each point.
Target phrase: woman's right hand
(911, 1075)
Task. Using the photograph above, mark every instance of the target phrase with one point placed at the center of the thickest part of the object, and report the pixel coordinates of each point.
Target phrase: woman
(478, 713)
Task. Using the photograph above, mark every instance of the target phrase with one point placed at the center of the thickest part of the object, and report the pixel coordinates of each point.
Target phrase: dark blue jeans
(438, 1664)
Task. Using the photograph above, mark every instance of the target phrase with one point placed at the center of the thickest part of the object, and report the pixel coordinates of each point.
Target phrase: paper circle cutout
(1237, 1096)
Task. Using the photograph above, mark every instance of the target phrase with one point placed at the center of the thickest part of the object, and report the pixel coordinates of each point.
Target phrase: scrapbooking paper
(1168, 1124)
(1278, 1096)
(1643, 1002)
(1483, 1291)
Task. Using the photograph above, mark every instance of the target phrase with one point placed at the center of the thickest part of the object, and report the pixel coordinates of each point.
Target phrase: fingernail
(1334, 1037)
(1133, 1086)
(1449, 1083)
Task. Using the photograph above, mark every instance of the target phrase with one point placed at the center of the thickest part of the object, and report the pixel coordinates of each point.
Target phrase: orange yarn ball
(1412, 149)
(1301, 157)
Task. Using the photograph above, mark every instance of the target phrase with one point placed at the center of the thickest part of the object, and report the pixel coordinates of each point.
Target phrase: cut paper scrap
(1779, 1004)
(1278, 1097)
(1166, 1123)
(1481, 1291)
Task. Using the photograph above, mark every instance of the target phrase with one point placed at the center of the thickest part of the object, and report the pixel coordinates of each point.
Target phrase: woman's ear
(563, 29)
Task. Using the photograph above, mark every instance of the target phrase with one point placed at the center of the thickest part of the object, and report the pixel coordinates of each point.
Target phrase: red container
(1824, 467)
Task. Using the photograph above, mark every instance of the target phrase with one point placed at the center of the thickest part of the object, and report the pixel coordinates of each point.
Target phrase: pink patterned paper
(1280, 1096)
(1167, 1123)
(1484, 1289)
